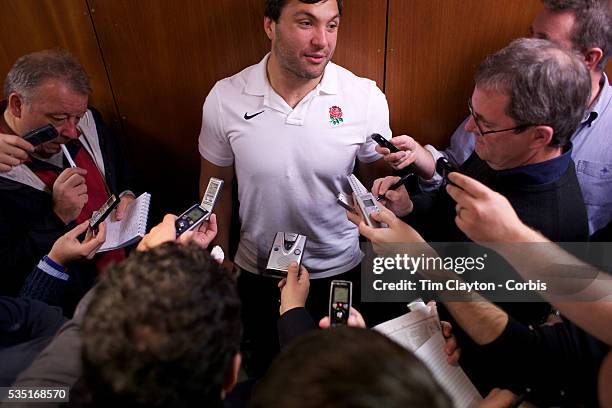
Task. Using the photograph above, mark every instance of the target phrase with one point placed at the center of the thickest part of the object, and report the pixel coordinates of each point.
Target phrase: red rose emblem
(335, 115)
(335, 112)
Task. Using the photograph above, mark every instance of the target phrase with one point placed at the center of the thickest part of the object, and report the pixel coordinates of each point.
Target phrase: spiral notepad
(131, 228)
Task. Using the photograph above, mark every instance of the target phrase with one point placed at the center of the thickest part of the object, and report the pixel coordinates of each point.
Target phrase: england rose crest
(335, 115)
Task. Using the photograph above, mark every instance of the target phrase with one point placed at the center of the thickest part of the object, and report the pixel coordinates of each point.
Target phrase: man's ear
(542, 136)
(592, 58)
(269, 26)
(15, 104)
(232, 375)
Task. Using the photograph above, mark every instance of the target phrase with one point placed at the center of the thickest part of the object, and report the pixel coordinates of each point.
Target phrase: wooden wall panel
(361, 39)
(33, 25)
(434, 48)
(163, 59)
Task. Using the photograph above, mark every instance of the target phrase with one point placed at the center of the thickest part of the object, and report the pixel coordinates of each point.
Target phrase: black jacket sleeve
(28, 229)
(23, 320)
(559, 363)
(292, 324)
(44, 287)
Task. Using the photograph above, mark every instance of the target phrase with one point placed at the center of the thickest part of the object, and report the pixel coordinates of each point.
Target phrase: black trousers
(260, 298)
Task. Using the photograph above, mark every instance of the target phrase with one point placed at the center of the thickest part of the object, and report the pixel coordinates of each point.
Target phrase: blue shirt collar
(545, 172)
(601, 103)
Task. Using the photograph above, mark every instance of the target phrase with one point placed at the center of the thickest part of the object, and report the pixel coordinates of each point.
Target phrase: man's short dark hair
(275, 7)
(348, 367)
(547, 85)
(162, 329)
(32, 70)
(592, 25)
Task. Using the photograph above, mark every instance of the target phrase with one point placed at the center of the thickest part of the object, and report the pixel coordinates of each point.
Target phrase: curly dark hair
(275, 7)
(162, 330)
(348, 367)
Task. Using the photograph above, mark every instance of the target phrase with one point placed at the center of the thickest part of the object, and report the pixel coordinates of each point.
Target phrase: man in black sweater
(528, 100)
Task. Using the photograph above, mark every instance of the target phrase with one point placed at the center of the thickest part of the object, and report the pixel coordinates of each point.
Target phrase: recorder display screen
(196, 213)
(341, 295)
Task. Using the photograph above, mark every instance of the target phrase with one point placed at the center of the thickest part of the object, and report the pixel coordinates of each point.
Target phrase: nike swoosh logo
(249, 117)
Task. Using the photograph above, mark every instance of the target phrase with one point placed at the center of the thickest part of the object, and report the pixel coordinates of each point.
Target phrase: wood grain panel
(434, 49)
(361, 39)
(163, 58)
(33, 25)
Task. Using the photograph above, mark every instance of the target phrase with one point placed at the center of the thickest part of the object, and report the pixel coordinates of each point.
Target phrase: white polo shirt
(291, 163)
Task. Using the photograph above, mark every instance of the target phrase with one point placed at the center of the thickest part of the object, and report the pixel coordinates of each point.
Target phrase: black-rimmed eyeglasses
(517, 129)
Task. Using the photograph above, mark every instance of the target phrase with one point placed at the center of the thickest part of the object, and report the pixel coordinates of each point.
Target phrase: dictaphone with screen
(340, 298)
(287, 247)
(198, 213)
(99, 216)
(366, 202)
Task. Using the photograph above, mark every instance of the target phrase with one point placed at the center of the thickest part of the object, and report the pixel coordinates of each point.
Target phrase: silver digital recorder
(287, 247)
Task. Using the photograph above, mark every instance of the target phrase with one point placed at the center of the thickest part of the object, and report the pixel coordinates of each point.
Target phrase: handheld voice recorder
(366, 202)
(345, 201)
(99, 216)
(199, 213)
(211, 195)
(382, 142)
(288, 247)
(444, 168)
(41, 135)
(340, 298)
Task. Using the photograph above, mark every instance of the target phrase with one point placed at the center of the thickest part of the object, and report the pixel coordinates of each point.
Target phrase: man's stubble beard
(292, 65)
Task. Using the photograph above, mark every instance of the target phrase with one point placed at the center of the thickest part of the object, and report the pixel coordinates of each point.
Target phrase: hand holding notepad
(419, 331)
(131, 228)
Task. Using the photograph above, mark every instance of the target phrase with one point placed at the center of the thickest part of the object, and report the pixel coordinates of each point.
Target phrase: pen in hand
(398, 184)
(68, 157)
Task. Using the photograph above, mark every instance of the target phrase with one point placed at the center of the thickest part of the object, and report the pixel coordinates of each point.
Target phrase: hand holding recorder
(166, 231)
(199, 213)
(340, 301)
(404, 153)
(13, 151)
(354, 320)
(68, 248)
(294, 288)
(397, 231)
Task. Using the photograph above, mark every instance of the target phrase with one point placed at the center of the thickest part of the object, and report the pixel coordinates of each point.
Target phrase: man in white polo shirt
(291, 128)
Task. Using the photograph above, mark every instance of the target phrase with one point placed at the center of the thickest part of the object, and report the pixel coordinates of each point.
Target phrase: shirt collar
(257, 83)
(601, 103)
(545, 172)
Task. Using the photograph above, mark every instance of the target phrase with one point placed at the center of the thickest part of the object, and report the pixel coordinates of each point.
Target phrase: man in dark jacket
(29, 322)
(527, 101)
(45, 194)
